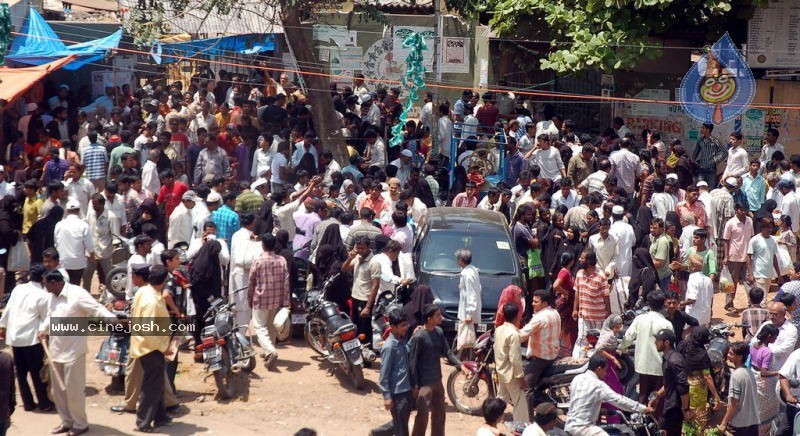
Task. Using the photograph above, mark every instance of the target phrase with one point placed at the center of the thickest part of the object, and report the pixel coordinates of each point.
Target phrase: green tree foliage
(604, 34)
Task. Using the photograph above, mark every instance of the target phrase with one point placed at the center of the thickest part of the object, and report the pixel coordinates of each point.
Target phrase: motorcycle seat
(336, 322)
(565, 366)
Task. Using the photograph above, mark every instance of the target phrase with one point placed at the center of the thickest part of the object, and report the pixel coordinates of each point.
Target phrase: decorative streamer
(413, 81)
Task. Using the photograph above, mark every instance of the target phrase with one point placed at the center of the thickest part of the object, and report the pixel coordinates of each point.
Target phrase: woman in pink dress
(565, 302)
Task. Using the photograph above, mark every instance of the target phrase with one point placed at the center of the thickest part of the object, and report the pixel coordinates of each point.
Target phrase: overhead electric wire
(440, 85)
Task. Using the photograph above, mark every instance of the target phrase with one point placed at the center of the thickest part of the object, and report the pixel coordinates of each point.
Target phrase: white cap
(732, 181)
(213, 197)
(258, 183)
(109, 85)
(702, 184)
(189, 196)
(64, 86)
(32, 107)
(407, 153)
(73, 205)
(617, 210)
(672, 176)
(365, 98)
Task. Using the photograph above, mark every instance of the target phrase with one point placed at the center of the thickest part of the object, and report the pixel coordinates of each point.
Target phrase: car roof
(458, 218)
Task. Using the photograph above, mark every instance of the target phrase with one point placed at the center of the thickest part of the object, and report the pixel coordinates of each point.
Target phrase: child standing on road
(395, 379)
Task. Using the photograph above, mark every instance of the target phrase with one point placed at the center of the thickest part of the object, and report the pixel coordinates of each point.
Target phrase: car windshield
(491, 253)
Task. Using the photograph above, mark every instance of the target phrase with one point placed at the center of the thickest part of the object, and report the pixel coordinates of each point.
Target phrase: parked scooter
(468, 393)
(717, 351)
(117, 279)
(226, 349)
(333, 335)
(113, 353)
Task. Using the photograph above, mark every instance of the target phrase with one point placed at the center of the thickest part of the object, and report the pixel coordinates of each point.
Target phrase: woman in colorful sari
(698, 370)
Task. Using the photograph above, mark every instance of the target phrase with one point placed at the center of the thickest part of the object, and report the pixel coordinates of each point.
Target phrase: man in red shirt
(171, 191)
(229, 139)
(488, 114)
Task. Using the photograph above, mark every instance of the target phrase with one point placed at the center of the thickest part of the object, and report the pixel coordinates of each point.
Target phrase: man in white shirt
(329, 164)
(150, 180)
(619, 126)
(661, 202)
(626, 239)
(642, 331)
(305, 146)
(604, 246)
(22, 320)
(142, 245)
(73, 240)
(548, 158)
(470, 125)
(444, 131)
(770, 146)
(699, 292)
(68, 352)
(587, 392)
(469, 285)
(528, 140)
(566, 196)
(78, 187)
(787, 333)
(181, 226)
(102, 229)
(403, 165)
(376, 150)
(738, 159)
(790, 204)
(245, 248)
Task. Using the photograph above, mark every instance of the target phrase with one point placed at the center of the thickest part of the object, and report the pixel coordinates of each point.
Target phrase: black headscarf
(764, 212)
(327, 263)
(642, 229)
(284, 249)
(693, 349)
(420, 297)
(156, 219)
(41, 234)
(332, 237)
(644, 276)
(9, 222)
(206, 272)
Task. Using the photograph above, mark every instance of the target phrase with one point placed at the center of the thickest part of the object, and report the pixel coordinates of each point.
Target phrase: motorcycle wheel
(626, 371)
(251, 364)
(117, 281)
(468, 395)
(315, 336)
(357, 376)
(224, 376)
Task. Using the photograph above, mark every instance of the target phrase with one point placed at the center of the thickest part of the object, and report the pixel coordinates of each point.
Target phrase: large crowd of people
(231, 166)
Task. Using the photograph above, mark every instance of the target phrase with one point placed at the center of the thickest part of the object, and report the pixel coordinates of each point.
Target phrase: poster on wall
(753, 129)
(379, 62)
(772, 37)
(100, 78)
(336, 35)
(455, 55)
(344, 63)
(651, 108)
(399, 33)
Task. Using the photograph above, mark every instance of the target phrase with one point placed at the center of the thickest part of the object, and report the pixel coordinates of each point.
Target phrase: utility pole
(437, 68)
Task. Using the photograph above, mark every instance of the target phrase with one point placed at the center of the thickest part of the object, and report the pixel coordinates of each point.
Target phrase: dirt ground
(303, 392)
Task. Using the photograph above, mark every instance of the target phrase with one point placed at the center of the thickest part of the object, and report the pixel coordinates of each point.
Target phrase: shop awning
(16, 81)
(166, 53)
(38, 44)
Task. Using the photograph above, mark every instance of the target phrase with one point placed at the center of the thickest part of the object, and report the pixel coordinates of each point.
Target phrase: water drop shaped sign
(719, 86)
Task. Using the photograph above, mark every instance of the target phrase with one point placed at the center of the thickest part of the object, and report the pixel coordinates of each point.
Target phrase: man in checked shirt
(267, 292)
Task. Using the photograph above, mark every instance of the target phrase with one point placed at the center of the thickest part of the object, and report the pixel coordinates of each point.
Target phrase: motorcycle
(226, 349)
(717, 351)
(468, 393)
(113, 353)
(298, 308)
(333, 335)
(386, 301)
(116, 280)
(633, 424)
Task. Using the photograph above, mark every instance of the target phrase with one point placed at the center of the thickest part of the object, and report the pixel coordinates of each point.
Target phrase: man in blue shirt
(223, 216)
(515, 162)
(754, 186)
(395, 379)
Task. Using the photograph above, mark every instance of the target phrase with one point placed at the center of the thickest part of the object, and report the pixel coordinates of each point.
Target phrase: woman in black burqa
(206, 278)
(41, 235)
(10, 223)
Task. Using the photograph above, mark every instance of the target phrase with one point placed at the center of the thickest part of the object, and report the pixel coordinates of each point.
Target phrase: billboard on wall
(772, 38)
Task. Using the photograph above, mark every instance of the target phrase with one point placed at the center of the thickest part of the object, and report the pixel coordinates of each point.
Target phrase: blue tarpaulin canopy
(38, 44)
(244, 44)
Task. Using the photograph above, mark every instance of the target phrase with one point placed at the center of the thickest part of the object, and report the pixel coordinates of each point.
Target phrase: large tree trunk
(325, 121)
